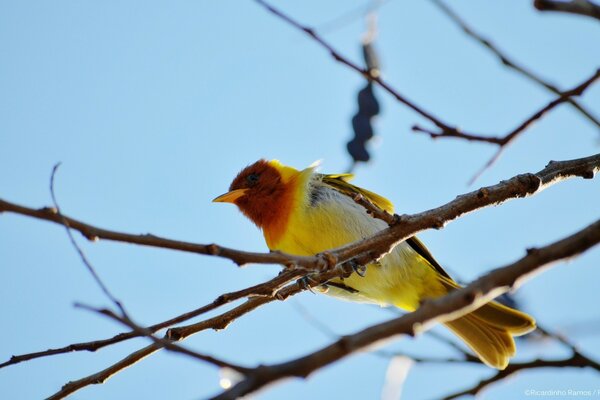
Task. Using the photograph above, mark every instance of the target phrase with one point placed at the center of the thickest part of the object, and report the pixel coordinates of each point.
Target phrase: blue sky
(153, 107)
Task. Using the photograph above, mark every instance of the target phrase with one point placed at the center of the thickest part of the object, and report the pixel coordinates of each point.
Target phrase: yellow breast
(323, 219)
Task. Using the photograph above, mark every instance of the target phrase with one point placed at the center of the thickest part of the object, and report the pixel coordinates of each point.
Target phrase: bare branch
(363, 71)
(94, 234)
(580, 7)
(178, 334)
(575, 361)
(507, 138)
(503, 141)
(510, 63)
(445, 130)
(431, 312)
(266, 289)
(164, 343)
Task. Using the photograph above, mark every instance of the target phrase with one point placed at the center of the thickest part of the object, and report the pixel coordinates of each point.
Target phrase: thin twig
(64, 221)
(265, 289)
(363, 71)
(164, 343)
(575, 361)
(508, 61)
(181, 333)
(445, 130)
(512, 135)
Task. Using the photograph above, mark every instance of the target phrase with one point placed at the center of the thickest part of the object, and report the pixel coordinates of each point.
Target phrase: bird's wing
(340, 183)
(420, 248)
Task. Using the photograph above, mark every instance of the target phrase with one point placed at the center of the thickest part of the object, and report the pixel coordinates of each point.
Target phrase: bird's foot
(309, 283)
(360, 269)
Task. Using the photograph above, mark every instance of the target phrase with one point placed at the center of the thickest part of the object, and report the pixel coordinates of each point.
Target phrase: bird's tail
(489, 330)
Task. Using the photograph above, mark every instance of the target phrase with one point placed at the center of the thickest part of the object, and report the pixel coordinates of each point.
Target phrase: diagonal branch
(363, 71)
(431, 312)
(510, 63)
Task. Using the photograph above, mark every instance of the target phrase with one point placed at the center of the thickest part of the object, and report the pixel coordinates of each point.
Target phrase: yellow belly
(402, 278)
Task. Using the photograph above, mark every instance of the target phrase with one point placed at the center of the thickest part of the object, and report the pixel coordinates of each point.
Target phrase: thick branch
(94, 233)
(446, 308)
(362, 251)
(580, 7)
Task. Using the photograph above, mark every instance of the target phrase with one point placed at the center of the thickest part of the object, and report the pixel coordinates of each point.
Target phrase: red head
(262, 194)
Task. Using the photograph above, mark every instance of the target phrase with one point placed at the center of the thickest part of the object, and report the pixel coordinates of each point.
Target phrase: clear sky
(153, 107)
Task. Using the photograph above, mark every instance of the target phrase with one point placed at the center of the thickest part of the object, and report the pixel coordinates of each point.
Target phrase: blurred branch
(431, 312)
(350, 16)
(510, 63)
(580, 7)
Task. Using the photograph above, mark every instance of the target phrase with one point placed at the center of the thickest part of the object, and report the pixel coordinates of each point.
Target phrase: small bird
(303, 212)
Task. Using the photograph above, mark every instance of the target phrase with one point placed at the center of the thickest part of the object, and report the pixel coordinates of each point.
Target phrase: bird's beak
(230, 197)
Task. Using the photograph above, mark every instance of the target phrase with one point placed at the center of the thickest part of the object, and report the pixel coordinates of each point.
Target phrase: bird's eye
(252, 179)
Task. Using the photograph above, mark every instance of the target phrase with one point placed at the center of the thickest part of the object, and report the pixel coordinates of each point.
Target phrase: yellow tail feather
(489, 330)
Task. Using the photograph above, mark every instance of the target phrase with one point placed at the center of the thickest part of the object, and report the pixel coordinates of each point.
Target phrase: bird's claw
(308, 283)
(361, 270)
(305, 283)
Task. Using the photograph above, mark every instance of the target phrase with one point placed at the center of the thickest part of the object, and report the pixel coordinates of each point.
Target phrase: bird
(303, 212)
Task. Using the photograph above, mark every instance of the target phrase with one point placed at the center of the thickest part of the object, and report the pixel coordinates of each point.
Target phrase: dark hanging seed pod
(368, 107)
(367, 103)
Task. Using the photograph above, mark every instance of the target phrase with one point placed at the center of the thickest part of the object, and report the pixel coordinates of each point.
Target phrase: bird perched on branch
(305, 213)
